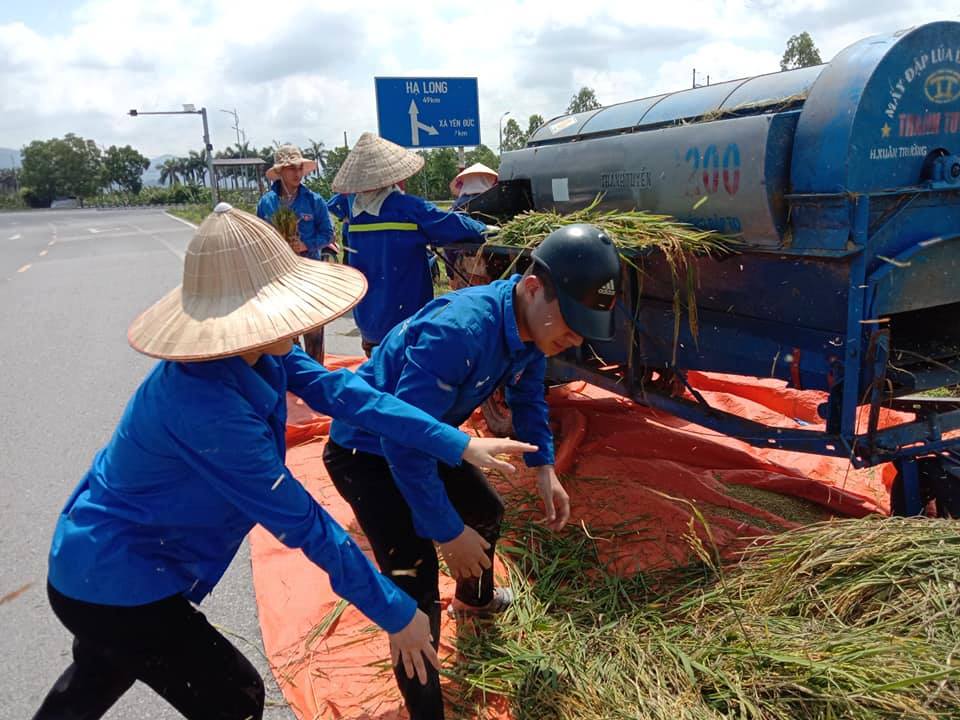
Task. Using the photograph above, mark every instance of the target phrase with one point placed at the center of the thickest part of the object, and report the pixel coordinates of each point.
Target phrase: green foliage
(439, 168)
(176, 195)
(483, 154)
(534, 124)
(123, 167)
(13, 201)
(800, 53)
(584, 100)
(68, 166)
(515, 137)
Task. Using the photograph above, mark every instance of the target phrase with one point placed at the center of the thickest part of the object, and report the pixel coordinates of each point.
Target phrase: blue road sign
(428, 112)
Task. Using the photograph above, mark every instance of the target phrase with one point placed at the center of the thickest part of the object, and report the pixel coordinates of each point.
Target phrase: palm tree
(183, 168)
(198, 166)
(169, 171)
(317, 152)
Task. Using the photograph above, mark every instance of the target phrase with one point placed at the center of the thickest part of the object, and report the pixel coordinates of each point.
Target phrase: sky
(302, 70)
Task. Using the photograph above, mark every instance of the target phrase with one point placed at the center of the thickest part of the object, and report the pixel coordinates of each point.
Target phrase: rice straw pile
(843, 619)
(636, 234)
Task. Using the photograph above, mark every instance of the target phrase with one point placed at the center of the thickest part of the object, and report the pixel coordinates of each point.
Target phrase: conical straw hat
(243, 288)
(375, 163)
(475, 169)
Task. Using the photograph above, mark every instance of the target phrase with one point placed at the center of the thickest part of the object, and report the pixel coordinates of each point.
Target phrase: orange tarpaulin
(623, 463)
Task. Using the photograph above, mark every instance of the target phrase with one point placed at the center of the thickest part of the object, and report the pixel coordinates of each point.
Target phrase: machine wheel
(497, 414)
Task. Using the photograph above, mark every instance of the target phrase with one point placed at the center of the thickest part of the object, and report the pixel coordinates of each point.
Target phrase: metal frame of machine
(880, 238)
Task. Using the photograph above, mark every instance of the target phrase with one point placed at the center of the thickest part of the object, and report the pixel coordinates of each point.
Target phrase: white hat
(243, 288)
(375, 163)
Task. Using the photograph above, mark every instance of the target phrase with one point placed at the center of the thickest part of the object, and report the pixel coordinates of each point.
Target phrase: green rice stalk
(287, 224)
(842, 619)
(637, 235)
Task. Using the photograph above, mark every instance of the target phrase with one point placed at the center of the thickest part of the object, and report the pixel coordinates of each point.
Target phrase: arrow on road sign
(416, 126)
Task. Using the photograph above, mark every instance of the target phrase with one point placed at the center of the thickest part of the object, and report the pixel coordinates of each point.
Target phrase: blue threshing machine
(843, 182)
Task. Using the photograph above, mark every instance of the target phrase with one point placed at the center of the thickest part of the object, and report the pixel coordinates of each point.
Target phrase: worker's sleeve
(435, 364)
(345, 396)
(265, 208)
(339, 206)
(441, 227)
(230, 447)
(531, 414)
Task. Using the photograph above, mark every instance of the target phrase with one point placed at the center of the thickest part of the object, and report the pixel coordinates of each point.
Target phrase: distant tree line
(73, 166)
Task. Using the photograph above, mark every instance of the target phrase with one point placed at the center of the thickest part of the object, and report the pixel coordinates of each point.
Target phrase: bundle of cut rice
(285, 221)
(842, 619)
(636, 234)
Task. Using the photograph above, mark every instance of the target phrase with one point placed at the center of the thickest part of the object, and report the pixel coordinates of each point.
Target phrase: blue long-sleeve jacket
(316, 229)
(448, 359)
(198, 459)
(390, 250)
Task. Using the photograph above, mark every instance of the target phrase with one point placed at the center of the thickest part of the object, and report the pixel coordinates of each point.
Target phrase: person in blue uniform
(386, 233)
(313, 219)
(287, 190)
(197, 460)
(448, 359)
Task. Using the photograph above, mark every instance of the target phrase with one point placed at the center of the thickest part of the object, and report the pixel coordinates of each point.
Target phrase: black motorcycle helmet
(584, 266)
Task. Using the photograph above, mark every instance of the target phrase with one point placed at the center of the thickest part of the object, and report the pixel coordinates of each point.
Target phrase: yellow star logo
(885, 130)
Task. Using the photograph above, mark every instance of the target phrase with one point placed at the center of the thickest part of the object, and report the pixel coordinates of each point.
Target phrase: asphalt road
(70, 283)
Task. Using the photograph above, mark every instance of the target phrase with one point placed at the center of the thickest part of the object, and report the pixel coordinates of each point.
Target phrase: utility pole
(236, 126)
(189, 109)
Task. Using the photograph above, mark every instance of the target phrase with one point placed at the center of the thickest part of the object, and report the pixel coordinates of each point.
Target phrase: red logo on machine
(918, 124)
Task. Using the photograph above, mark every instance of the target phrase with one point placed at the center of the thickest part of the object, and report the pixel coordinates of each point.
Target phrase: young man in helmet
(447, 359)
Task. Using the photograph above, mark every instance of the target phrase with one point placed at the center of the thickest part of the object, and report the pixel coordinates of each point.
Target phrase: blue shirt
(390, 250)
(448, 359)
(316, 229)
(198, 459)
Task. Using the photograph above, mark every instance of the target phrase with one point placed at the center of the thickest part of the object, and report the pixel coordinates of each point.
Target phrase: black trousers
(168, 644)
(364, 480)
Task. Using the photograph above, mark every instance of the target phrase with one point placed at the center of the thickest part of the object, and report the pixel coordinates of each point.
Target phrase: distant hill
(151, 176)
(9, 158)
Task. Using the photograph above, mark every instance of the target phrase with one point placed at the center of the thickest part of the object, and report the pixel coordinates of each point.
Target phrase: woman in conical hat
(470, 182)
(198, 458)
(388, 231)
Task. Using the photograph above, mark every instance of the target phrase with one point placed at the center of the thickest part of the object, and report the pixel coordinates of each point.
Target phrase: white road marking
(51, 243)
(180, 219)
(176, 251)
(14, 237)
(42, 253)
(92, 230)
(24, 268)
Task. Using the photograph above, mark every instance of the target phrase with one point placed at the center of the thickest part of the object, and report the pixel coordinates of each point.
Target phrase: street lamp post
(500, 146)
(202, 112)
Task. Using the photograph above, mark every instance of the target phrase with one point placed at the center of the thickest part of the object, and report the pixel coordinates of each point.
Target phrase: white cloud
(299, 69)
